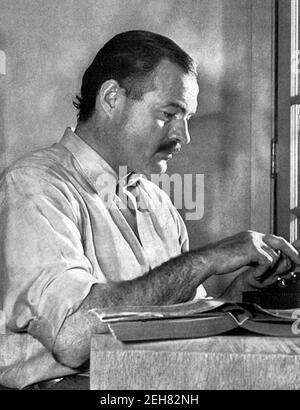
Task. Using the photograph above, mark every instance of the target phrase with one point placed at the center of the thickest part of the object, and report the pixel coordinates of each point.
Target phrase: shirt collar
(98, 172)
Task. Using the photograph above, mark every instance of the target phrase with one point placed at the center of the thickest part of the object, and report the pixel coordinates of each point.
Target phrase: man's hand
(262, 276)
(257, 278)
(261, 251)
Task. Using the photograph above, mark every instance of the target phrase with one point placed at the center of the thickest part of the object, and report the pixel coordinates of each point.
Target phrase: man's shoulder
(37, 168)
(42, 160)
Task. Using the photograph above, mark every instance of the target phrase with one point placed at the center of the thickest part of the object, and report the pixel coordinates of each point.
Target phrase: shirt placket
(148, 235)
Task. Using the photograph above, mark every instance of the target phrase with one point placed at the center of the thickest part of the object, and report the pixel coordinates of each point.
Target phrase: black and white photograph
(149, 197)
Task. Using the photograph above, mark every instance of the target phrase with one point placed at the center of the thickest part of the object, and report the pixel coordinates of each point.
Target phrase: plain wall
(49, 44)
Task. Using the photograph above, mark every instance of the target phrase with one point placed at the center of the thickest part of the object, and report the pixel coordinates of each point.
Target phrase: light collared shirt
(63, 228)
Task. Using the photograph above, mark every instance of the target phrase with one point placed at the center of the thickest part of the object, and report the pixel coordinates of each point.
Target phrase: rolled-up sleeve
(45, 274)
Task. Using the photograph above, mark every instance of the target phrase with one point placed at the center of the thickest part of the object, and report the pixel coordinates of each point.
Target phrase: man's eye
(167, 115)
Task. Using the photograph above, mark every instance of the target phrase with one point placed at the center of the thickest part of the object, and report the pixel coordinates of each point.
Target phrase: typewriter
(285, 294)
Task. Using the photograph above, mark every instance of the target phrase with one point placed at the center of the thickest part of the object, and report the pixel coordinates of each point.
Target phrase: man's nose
(180, 131)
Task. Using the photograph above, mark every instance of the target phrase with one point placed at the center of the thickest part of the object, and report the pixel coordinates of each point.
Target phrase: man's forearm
(174, 281)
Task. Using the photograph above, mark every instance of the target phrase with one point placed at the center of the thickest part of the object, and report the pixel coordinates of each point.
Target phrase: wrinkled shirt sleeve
(182, 233)
(45, 273)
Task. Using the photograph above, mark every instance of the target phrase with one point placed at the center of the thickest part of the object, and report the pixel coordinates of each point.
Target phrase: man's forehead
(174, 85)
(168, 73)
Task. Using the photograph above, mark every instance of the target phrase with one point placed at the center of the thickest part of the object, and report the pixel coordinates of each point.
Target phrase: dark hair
(129, 58)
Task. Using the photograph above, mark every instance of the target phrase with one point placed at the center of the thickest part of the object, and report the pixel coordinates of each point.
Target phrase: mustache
(171, 146)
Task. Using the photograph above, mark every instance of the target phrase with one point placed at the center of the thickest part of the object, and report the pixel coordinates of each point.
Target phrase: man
(69, 245)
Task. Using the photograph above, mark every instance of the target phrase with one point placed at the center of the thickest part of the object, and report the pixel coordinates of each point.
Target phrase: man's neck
(97, 141)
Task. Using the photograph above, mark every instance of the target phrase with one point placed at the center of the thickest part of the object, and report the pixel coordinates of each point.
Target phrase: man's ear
(109, 95)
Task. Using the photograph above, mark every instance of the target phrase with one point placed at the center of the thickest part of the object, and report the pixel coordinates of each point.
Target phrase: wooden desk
(220, 362)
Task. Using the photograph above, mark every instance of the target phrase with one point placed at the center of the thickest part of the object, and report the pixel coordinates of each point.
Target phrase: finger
(270, 280)
(280, 269)
(266, 278)
(256, 274)
(284, 265)
(288, 275)
(281, 244)
(269, 256)
(273, 277)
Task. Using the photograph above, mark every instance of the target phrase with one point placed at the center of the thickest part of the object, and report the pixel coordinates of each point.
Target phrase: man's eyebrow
(179, 106)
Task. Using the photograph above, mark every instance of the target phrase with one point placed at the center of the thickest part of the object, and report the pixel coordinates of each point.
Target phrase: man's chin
(159, 167)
